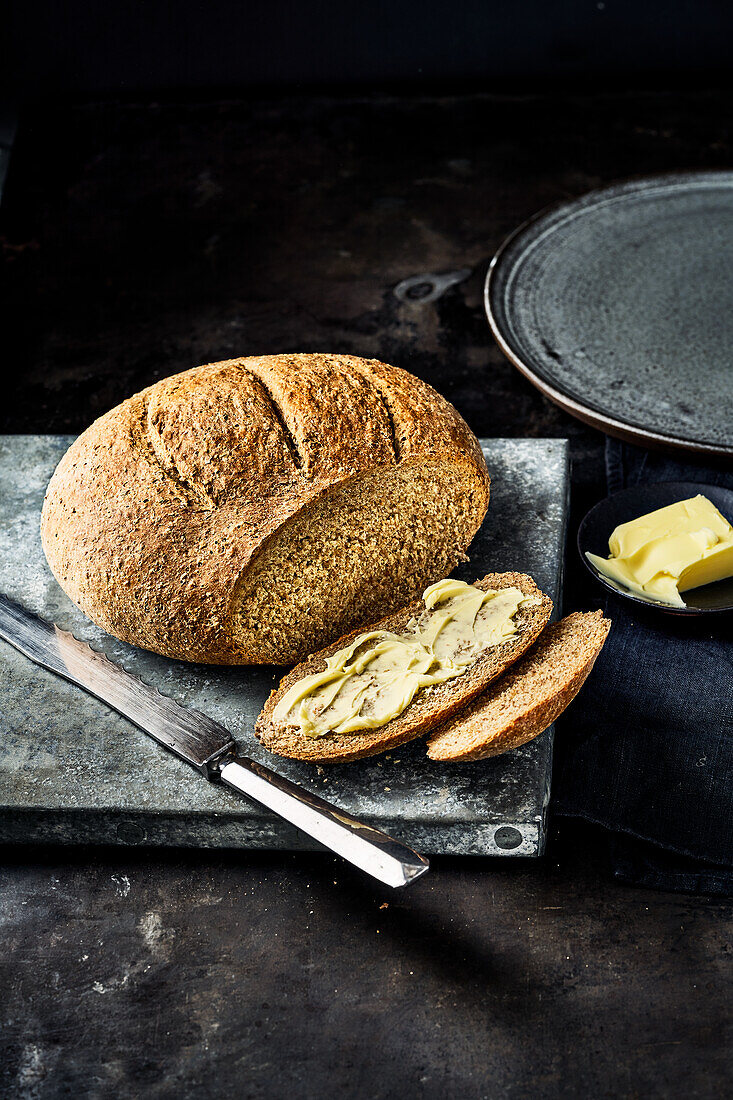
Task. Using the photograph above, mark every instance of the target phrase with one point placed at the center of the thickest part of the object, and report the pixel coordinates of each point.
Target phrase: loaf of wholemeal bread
(252, 510)
(429, 708)
(529, 697)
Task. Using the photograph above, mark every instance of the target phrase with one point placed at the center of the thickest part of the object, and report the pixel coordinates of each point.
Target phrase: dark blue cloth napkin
(647, 752)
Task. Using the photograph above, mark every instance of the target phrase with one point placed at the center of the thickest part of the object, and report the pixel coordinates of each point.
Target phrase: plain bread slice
(529, 697)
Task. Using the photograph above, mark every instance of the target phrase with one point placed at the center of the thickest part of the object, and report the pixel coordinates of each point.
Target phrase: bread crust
(429, 708)
(157, 511)
(529, 697)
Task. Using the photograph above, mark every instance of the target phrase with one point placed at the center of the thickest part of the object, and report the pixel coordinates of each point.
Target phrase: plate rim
(620, 429)
(620, 593)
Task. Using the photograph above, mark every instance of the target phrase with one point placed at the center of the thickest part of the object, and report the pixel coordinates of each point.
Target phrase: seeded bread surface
(252, 510)
(429, 708)
(529, 697)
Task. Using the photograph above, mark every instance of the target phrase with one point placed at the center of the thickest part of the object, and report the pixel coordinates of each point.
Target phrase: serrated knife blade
(207, 746)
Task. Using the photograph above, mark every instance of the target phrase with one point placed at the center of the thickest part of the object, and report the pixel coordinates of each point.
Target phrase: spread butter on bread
(440, 673)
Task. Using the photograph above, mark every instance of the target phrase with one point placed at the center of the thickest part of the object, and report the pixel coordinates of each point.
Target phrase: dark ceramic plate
(619, 307)
(596, 528)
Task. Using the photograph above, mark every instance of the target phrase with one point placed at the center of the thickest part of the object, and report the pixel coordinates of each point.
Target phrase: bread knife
(207, 746)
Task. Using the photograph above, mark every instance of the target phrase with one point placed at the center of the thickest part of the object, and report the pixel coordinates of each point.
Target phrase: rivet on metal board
(129, 833)
(507, 837)
(428, 287)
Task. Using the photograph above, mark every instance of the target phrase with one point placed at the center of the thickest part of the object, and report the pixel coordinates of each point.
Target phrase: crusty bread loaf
(430, 706)
(529, 697)
(252, 510)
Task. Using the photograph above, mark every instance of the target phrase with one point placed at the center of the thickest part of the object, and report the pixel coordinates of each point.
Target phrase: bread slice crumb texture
(429, 708)
(362, 550)
(529, 697)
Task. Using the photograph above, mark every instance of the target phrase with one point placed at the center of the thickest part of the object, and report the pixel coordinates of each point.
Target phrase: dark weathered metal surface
(70, 770)
(128, 975)
(143, 239)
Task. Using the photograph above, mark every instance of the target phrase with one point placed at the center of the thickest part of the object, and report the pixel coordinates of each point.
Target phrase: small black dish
(595, 531)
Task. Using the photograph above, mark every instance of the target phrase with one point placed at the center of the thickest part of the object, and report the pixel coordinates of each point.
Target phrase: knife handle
(208, 746)
(368, 848)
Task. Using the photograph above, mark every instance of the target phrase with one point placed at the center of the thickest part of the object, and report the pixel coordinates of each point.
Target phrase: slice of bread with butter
(382, 686)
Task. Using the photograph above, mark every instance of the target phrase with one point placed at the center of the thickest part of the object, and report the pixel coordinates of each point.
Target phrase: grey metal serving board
(72, 771)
